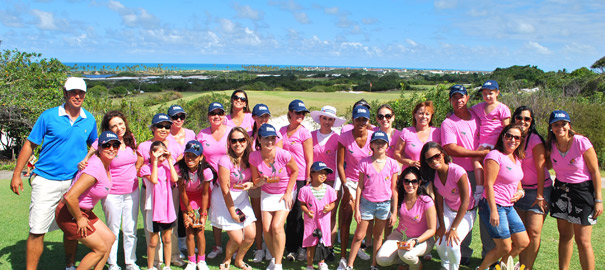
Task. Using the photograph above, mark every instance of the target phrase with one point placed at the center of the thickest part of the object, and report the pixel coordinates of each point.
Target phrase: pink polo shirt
(572, 168)
(508, 178)
(189, 135)
(161, 193)
(353, 154)
(237, 176)
(413, 144)
(294, 145)
(213, 149)
(413, 221)
(530, 174)
(464, 133)
(99, 189)
(490, 123)
(326, 151)
(278, 170)
(194, 184)
(449, 191)
(246, 124)
(377, 184)
(123, 171)
(393, 137)
(173, 148)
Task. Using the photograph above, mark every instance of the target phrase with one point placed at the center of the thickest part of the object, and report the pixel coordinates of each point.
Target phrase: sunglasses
(433, 158)
(241, 215)
(242, 99)
(179, 116)
(115, 145)
(213, 113)
(521, 118)
(300, 113)
(509, 136)
(411, 181)
(160, 126)
(383, 116)
(238, 140)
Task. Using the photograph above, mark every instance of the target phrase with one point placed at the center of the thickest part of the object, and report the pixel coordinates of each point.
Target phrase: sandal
(245, 266)
(223, 266)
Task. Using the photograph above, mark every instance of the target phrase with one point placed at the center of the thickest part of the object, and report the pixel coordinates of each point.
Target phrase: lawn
(14, 213)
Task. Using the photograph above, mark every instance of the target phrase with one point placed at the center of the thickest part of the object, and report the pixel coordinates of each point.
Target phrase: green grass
(14, 214)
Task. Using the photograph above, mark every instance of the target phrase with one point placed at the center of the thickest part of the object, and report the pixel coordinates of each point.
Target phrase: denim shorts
(370, 210)
(525, 203)
(510, 222)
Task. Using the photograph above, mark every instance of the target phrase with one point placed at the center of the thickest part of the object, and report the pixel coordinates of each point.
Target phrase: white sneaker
(322, 266)
(190, 266)
(342, 264)
(215, 252)
(132, 267)
(302, 254)
(309, 267)
(271, 265)
(114, 267)
(259, 254)
(201, 265)
(166, 268)
(277, 267)
(73, 267)
(363, 255)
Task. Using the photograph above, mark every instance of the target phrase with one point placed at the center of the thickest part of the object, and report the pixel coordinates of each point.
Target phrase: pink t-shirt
(253, 139)
(246, 124)
(99, 189)
(189, 135)
(413, 144)
(237, 176)
(294, 145)
(530, 174)
(464, 133)
(353, 154)
(161, 195)
(194, 185)
(490, 123)
(320, 220)
(377, 185)
(278, 170)
(326, 152)
(123, 171)
(413, 221)
(173, 148)
(508, 178)
(392, 140)
(449, 191)
(572, 168)
(213, 149)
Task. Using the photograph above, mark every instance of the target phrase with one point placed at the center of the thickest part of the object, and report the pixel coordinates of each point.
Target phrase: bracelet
(598, 201)
(203, 214)
(522, 191)
(540, 198)
(415, 241)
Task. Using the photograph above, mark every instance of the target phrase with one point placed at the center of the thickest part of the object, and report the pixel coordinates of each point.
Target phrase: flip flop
(245, 266)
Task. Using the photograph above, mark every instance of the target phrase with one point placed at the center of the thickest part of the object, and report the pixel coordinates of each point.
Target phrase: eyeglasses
(410, 181)
(521, 118)
(237, 140)
(433, 158)
(179, 116)
(242, 99)
(160, 126)
(219, 113)
(509, 136)
(383, 116)
(115, 145)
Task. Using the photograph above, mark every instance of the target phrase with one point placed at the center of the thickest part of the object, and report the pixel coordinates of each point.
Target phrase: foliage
(197, 110)
(599, 65)
(97, 91)
(162, 98)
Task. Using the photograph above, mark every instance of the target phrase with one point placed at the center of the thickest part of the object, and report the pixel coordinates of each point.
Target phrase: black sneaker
(465, 261)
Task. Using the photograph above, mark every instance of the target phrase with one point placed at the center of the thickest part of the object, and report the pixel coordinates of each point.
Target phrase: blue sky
(471, 35)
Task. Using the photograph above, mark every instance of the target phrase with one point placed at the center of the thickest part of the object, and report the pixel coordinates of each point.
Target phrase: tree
(29, 85)
(599, 65)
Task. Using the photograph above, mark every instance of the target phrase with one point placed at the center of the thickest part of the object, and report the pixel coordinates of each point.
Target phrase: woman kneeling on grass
(74, 214)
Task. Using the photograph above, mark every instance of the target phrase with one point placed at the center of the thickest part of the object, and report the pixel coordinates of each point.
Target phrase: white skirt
(270, 202)
(220, 216)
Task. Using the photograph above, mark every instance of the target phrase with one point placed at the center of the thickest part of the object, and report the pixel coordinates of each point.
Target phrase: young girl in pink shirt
(376, 189)
(159, 174)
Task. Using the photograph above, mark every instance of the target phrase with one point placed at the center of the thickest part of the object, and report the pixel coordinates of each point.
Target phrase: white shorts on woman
(220, 216)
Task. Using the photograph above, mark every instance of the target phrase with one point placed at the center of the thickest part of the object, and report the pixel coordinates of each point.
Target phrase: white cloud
(247, 12)
(134, 17)
(525, 28)
(411, 42)
(11, 18)
(46, 20)
(302, 17)
(445, 4)
(538, 47)
(227, 25)
(369, 20)
(333, 10)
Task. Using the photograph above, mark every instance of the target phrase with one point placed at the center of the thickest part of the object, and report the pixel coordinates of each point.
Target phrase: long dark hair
(427, 172)
(551, 138)
(201, 167)
(532, 126)
(247, 151)
(128, 136)
(519, 152)
(247, 108)
(401, 185)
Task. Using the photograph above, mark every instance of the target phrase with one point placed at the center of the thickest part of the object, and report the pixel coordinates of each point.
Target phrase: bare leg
(585, 251)
(566, 233)
(35, 246)
(151, 246)
(249, 235)
(345, 218)
(70, 247)
(378, 233)
(201, 243)
(360, 233)
(100, 243)
(279, 234)
(167, 243)
(259, 222)
(533, 223)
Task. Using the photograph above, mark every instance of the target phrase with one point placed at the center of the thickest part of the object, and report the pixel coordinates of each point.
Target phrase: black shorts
(573, 202)
(159, 227)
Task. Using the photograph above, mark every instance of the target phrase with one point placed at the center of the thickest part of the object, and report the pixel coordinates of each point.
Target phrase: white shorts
(271, 202)
(352, 187)
(45, 197)
(220, 216)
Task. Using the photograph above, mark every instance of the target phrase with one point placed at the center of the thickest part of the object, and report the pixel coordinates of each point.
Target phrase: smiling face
(511, 140)
(237, 142)
(458, 101)
(410, 183)
(360, 123)
(561, 128)
(216, 117)
(385, 118)
(161, 130)
(523, 120)
(109, 150)
(326, 122)
(178, 120)
(490, 96)
(267, 142)
(423, 116)
(239, 100)
(379, 146)
(192, 161)
(319, 176)
(296, 117)
(260, 120)
(434, 158)
(117, 126)
(74, 98)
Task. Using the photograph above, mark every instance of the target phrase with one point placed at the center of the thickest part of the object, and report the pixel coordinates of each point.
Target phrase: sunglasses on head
(115, 145)
(195, 147)
(237, 140)
(509, 136)
(383, 116)
(178, 116)
(242, 99)
(164, 126)
(241, 215)
(433, 158)
(213, 113)
(521, 118)
(410, 181)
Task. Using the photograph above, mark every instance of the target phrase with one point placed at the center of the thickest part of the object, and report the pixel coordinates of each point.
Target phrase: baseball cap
(160, 117)
(107, 136)
(490, 85)
(266, 130)
(215, 105)
(298, 106)
(260, 109)
(379, 135)
(75, 83)
(558, 115)
(458, 89)
(195, 147)
(361, 111)
(175, 109)
(320, 166)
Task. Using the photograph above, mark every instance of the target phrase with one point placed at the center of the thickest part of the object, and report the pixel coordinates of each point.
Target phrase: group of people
(291, 191)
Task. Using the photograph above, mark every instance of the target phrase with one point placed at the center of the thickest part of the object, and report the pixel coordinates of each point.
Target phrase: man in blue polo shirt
(64, 133)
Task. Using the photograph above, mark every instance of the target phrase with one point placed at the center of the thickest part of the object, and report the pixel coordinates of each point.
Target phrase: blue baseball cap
(260, 109)
(160, 117)
(215, 105)
(267, 130)
(298, 106)
(558, 115)
(458, 89)
(361, 111)
(195, 147)
(175, 109)
(490, 85)
(379, 135)
(320, 166)
(107, 136)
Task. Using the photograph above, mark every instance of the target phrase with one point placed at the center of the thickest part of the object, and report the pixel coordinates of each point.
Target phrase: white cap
(75, 83)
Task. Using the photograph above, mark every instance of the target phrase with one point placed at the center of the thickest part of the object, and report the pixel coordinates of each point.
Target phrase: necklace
(380, 160)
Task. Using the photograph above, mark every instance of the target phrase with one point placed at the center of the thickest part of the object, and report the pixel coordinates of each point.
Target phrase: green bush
(197, 110)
